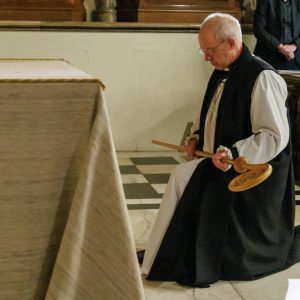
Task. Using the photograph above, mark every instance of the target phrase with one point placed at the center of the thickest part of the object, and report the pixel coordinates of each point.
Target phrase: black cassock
(216, 234)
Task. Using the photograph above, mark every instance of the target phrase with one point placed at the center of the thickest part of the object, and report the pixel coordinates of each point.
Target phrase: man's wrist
(280, 47)
(191, 137)
(229, 155)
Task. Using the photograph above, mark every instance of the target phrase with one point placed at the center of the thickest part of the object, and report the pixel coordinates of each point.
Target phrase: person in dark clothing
(276, 26)
(204, 232)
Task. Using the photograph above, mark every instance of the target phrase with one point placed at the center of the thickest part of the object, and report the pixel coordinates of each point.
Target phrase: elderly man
(204, 232)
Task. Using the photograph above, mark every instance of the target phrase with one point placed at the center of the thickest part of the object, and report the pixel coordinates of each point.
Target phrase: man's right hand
(191, 147)
(288, 50)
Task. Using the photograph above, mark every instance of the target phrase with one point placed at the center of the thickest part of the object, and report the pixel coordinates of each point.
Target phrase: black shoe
(140, 256)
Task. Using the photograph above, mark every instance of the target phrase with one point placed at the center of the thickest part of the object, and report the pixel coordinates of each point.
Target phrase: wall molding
(106, 26)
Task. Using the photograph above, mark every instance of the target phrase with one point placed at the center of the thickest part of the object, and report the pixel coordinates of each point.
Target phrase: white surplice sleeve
(269, 120)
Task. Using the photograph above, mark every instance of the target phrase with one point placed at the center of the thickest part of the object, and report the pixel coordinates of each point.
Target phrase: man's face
(214, 51)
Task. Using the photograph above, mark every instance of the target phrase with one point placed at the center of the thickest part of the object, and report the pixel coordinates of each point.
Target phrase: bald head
(220, 39)
(223, 26)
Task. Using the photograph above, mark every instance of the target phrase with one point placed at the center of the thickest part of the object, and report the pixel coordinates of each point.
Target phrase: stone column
(105, 11)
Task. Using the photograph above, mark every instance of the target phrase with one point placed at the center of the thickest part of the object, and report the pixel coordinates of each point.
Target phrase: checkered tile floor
(145, 176)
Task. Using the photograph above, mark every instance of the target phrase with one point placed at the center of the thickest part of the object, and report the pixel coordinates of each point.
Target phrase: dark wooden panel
(173, 11)
(41, 3)
(42, 10)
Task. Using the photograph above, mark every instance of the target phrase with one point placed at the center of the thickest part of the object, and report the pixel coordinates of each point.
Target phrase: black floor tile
(161, 160)
(145, 190)
(129, 170)
(140, 191)
(142, 206)
(157, 178)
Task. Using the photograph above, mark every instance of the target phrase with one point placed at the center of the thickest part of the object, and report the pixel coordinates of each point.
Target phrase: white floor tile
(150, 201)
(148, 154)
(134, 201)
(142, 221)
(272, 287)
(155, 169)
(133, 178)
(172, 291)
(124, 161)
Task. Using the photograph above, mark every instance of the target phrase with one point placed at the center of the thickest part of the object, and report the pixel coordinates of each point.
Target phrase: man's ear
(231, 42)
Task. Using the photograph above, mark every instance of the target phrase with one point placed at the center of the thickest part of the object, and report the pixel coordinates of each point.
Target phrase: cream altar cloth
(64, 226)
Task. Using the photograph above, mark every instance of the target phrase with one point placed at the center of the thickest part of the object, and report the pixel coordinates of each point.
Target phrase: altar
(64, 225)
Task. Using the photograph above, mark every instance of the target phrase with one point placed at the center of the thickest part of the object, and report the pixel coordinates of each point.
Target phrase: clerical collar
(229, 68)
(222, 74)
(225, 73)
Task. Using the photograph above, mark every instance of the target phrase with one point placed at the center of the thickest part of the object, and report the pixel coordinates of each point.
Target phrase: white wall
(155, 81)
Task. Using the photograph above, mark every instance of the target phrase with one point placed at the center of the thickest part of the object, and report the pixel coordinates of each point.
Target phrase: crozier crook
(251, 174)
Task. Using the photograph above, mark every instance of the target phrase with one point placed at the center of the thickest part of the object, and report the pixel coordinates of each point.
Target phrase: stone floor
(144, 176)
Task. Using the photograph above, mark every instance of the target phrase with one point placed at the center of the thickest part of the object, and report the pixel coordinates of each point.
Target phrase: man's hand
(191, 147)
(217, 160)
(288, 50)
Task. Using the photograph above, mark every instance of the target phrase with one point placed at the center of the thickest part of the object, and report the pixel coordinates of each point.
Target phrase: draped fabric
(63, 217)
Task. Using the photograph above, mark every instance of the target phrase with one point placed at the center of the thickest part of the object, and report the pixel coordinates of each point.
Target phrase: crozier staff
(203, 232)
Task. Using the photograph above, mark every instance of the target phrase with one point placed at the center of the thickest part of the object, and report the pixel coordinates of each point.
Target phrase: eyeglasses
(210, 51)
